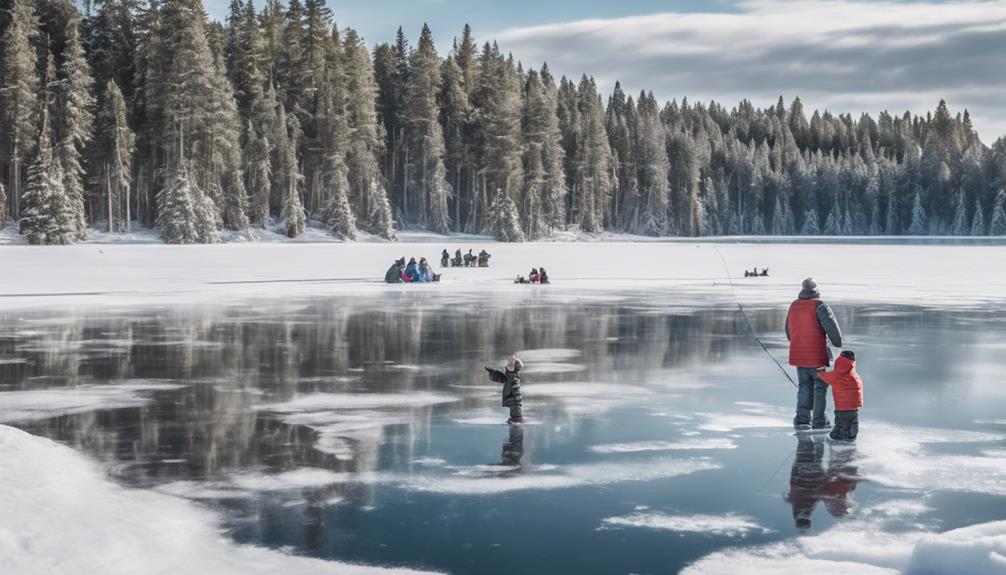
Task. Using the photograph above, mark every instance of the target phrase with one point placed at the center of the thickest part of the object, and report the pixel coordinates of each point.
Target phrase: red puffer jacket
(846, 387)
(807, 346)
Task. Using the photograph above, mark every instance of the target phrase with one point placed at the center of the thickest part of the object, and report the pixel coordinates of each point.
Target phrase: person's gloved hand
(489, 369)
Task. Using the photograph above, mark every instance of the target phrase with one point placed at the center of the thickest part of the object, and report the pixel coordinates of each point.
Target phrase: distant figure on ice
(426, 272)
(533, 277)
(394, 275)
(810, 483)
(510, 378)
(469, 257)
(542, 276)
(810, 323)
(411, 271)
(484, 259)
(445, 259)
(457, 259)
(764, 273)
(847, 393)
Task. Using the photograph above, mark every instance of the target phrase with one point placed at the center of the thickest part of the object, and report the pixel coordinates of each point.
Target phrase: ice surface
(61, 515)
(46, 403)
(551, 367)
(552, 354)
(488, 481)
(324, 401)
(729, 525)
(935, 275)
(656, 445)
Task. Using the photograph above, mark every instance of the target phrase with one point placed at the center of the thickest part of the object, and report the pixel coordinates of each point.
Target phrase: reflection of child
(847, 392)
(510, 378)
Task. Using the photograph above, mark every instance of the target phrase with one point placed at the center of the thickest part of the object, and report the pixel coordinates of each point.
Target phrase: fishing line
(748, 320)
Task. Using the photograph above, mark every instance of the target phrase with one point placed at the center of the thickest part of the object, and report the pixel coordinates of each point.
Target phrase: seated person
(533, 276)
(542, 276)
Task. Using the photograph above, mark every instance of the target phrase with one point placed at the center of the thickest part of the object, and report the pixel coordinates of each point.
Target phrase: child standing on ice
(847, 393)
(510, 378)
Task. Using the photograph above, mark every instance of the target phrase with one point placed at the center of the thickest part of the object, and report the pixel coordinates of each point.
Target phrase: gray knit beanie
(514, 364)
(809, 284)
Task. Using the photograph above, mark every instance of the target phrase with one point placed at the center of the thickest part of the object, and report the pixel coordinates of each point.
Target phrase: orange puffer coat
(846, 386)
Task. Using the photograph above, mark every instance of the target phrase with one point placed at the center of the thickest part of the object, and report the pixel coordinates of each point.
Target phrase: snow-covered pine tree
(811, 227)
(258, 174)
(848, 224)
(997, 222)
(292, 214)
(73, 115)
(919, 226)
(499, 102)
(504, 221)
(978, 219)
(653, 166)
(177, 212)
(112, 154)
(778, 220)
(833, 223)
(553, 155)
(365, 141)
(19, 105)
(46, 217)
(593, 184)
(425, 139)
(337, 213)
(891, 223)
(960, 226)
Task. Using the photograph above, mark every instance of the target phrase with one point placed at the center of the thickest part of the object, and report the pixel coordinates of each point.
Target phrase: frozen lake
(364, 430)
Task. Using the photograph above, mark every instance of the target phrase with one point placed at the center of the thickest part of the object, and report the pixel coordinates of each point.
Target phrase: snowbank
(689, 272)
(60, 515)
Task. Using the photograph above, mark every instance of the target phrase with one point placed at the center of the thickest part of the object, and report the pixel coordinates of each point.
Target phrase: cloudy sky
(843, 55)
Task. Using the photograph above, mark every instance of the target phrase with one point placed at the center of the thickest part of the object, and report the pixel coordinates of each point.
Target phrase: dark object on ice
(533, 277)
(445, 259)
(411, 271)
(520, 280)
(810, 483)
(510, 378)
(483, 259)
(394, 274)
(847, 392)
(810, 323)
(764, 273)
(513, 447)
(542, 276)
(456, 262)
(470, 259)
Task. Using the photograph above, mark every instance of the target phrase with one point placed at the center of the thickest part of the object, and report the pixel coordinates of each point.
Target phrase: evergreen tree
(112, 161)
(978, 220)
(73, 117)
(960, 226)
(593, 183)
(176, 209)
(654, 166)
(425, 140)
(918, 227)
(504, 222)
(47, 217)
(810, 224)
(19, 84)
(366, 143)
(292, 215)
(891, 225)
(997, 222)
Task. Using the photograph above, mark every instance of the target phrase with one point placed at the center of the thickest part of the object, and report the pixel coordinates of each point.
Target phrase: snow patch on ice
(552, 367)
(729, 525)
(726, 422)
(104, 528)
(489, 481)
(548, 354)
(430, 461)
(704, 443)
(45, 403)
(322, 401)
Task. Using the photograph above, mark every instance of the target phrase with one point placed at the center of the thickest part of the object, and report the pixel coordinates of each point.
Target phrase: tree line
(148, 111)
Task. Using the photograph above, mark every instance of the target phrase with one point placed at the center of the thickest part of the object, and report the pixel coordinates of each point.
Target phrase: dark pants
(846, 425)
(515, 412)
(811, 394)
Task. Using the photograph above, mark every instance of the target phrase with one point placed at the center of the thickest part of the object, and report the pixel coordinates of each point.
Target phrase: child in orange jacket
(847, 392)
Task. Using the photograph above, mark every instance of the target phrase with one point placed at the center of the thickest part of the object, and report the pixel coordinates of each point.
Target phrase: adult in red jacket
(809, 325)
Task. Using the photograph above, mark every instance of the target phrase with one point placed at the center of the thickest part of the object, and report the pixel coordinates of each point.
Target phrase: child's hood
(844, 365)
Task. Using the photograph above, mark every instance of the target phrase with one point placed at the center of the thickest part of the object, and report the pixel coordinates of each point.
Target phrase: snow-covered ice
(660, 445)
(728, 525)
(61, 515)
(46, 403)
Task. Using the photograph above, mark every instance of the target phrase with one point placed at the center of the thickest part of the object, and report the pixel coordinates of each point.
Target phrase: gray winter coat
(394, 274)
(511, 386)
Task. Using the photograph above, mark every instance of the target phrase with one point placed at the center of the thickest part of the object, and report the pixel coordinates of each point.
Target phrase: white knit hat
(514, 364)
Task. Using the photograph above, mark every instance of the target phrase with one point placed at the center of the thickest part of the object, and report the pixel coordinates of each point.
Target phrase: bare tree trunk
(15, 195)
(405, 184)
(126, 192)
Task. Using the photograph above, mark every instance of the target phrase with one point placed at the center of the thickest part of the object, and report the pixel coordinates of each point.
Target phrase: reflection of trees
(231, 358)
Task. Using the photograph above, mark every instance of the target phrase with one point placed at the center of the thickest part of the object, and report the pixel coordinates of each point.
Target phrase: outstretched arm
(496, 375)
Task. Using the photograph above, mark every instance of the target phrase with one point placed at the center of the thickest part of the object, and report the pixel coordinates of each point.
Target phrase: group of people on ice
(754, 273)
(411, 272)
(537, 276)
(810, 324)
(468, 260)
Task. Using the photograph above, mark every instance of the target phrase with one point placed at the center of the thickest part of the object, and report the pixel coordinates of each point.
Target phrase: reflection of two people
(810, 482)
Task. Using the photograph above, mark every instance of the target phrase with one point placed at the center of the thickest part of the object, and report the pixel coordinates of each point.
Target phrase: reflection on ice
(46, 403)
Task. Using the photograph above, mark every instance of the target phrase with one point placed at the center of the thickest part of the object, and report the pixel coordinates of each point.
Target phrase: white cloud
(844, 55)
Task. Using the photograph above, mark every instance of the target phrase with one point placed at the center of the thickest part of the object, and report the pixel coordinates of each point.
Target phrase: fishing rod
(737, 300)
